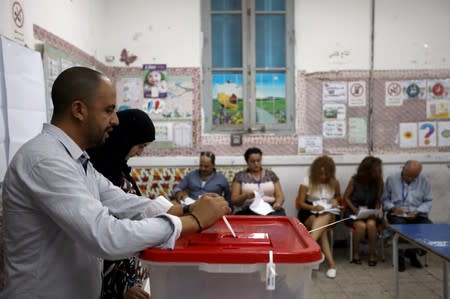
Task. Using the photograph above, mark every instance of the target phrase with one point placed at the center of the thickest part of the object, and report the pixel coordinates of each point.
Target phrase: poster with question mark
(427, 134)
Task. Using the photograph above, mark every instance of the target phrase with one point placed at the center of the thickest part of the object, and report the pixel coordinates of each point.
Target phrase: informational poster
(182, 135)
(334, 111)
(163, 131)
(438, 89)
(334, 91)
(155, 80)
(414, 89)
(357, 94)
(408, 135)
(443, 133)
(427, 134)
(438, 109)
(128, 89)
(333, 129)
(357, 130)
(393, 93)
(310, 145)
(176, 106)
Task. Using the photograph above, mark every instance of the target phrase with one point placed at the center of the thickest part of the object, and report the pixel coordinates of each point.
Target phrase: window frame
(249, 70)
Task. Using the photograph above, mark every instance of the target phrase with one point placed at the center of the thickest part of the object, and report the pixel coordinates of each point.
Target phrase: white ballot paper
(259, 206)
(187, 201)
(328, 208)
(364, 213)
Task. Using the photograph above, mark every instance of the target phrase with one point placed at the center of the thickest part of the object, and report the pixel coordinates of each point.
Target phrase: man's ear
(79, 110)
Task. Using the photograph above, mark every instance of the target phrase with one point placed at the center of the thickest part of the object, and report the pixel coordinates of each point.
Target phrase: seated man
(407, 200)
(203, 180)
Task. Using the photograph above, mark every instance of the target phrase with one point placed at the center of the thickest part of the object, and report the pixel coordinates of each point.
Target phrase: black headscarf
(135, 127)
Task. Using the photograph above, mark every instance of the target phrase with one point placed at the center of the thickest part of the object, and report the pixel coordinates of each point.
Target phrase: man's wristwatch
(185, 209)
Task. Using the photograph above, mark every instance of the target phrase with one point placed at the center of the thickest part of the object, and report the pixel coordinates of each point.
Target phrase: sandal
(372, 263)
(356, 261)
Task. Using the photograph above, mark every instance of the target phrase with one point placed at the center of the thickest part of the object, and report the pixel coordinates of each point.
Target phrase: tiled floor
(362, 281)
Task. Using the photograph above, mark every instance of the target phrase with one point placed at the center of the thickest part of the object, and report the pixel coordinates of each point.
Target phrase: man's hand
(398, 211)
(209, 208)
(136, 292)
(413, 214)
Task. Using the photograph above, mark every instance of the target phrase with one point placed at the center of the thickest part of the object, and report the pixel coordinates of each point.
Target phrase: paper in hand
(259, 206)
(187, 201)
(328, 208)
(364, 213)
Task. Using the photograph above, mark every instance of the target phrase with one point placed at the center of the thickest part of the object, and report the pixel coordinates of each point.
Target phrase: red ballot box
(270, 257)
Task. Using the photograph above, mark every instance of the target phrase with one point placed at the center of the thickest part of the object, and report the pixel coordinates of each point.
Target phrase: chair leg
(381, 247)
(350, 254)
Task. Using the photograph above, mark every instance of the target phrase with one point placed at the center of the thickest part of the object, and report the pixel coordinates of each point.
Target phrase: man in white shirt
(62, 217)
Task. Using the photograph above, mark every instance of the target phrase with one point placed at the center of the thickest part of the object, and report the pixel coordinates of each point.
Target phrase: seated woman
(123, 278)
(320, 184)
(364, 189)
(255, 178)
(203, 180)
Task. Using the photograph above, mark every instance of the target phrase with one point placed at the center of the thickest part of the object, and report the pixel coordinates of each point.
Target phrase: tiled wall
(161, 181)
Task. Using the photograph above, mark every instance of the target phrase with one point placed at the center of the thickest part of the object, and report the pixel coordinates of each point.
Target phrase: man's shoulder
(40, 147)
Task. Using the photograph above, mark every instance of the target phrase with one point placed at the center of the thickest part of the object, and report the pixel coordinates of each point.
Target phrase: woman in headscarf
(123, 279)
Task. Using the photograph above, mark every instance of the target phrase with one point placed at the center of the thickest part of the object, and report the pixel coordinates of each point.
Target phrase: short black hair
(73, 84)
(251, 151)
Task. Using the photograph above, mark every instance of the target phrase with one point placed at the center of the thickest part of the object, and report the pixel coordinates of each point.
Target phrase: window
(248, 65)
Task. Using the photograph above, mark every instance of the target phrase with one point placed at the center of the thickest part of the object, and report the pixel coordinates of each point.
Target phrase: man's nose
(115, 120)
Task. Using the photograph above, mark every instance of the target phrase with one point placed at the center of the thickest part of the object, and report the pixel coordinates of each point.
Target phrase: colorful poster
(393, 93)
(357, 93)
(438, 109)
(333, 111)
(333, 129)
(155, 80)
(310, 145)
(227, 104)
(357, 130)
(414, 89)
(438, 89)
(270, 98)
(443, 133)
(427, 134)
(408, 134)
(334, 91)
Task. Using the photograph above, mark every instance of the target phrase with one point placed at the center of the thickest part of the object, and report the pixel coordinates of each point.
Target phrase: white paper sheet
(187, 201)
(25, 93)
(364, 213)
(259, 206)
(328, 208)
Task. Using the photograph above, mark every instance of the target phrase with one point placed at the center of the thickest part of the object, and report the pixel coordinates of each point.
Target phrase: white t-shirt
(323, 191)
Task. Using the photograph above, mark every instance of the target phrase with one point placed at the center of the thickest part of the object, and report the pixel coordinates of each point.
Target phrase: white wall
(156, 31)
(325, 27)
(169, 31)
(412, 34)
(76, 21)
